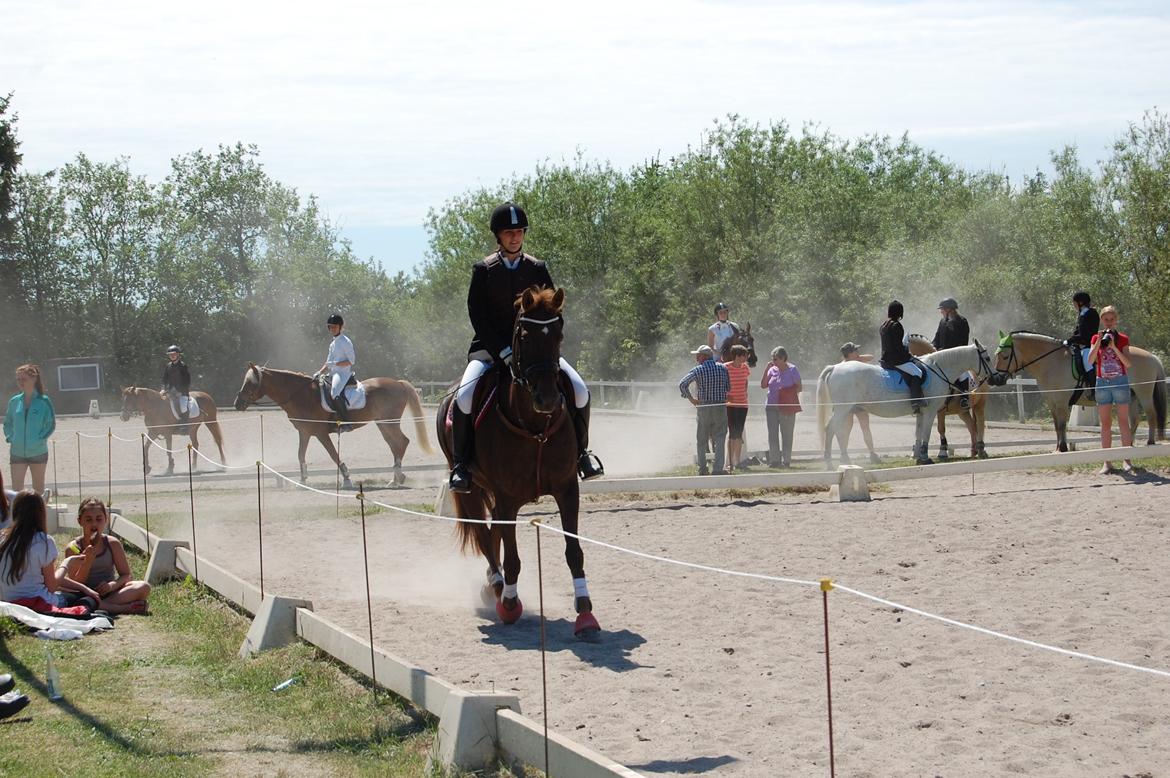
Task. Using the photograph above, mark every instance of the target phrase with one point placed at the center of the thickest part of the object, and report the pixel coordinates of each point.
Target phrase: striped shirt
(738, 394)
(712, 380)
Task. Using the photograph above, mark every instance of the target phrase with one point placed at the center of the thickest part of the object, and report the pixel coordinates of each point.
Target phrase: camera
(1107, 337)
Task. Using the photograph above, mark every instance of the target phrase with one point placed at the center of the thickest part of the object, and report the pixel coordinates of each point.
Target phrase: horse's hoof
(982, 455)
(586, 627)
(399, 478)
(509, 615)
(488, 596)
(924, 461)
(944, 455)
(347, 484)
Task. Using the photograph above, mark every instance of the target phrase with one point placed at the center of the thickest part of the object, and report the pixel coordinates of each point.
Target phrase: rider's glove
(506, 355)
(1064, 343)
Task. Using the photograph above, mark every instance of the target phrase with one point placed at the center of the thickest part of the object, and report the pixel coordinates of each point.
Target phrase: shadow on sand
(611, 650)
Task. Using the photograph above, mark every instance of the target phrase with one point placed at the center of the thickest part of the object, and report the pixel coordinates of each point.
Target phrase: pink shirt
(738, 394)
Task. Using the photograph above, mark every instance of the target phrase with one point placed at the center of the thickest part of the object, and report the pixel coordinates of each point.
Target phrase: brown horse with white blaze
(298, 396)
(974, 416)
(525, 447)
(155, 408)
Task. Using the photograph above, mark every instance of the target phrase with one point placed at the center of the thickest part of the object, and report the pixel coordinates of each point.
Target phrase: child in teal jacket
(28, 423)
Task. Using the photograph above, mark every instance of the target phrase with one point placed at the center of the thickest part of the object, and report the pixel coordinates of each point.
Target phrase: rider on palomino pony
(496, 282)
(953, 331)
(339, 365)
(1088, 323)
(177, 382)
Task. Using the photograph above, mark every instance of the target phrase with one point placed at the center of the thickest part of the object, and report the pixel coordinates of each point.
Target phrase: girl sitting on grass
(100, 562)
(27, 558)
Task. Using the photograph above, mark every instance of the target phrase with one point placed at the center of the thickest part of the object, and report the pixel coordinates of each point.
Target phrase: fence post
(1020, 400)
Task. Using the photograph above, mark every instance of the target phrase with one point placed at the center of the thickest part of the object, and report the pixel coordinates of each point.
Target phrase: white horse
(849, 386)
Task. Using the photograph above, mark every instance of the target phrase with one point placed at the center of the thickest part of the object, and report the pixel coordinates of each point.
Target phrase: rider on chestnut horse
(176, 385)
(339, 364)
(496, 282)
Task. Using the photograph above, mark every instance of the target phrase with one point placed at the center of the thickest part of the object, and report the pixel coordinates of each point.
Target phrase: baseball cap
(705, 350)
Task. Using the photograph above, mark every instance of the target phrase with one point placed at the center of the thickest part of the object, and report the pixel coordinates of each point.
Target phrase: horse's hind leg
(330, 449)
(195, 445)
(170, 456)
(392, 434)
(569, 503)
(146, 452)
(944, 449)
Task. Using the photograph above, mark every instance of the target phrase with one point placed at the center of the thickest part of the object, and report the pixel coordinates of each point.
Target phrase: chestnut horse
(155, 408)
(975, 417)
(524, 447)
(298, 395)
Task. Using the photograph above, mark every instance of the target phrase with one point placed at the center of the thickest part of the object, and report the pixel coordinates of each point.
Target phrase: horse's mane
(1033, 334)
(921, 339)
(294, 373)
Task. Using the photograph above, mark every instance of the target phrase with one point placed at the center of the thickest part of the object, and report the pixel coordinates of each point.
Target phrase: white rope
(668, 560)
(123, 440)
(395, 508)
(208, 459)
(1012, 638)
(161, 447)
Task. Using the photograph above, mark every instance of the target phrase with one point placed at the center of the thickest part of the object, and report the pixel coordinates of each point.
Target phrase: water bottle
(52, 677)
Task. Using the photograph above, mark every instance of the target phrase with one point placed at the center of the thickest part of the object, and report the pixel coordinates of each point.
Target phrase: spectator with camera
(1109, 353)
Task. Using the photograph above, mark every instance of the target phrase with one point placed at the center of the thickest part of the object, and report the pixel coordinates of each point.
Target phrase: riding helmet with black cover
(721, 307)
(335, 318)
(895, 310)
(508, 216)
(174, 349)
(1081, 297)
(948, 304)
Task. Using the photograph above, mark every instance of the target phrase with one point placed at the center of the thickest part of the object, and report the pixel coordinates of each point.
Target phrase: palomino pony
(155, 408)
(299, 396)
(525, 446)
(847, 386)
(1049, 361)
(743, 338)
(974, 417)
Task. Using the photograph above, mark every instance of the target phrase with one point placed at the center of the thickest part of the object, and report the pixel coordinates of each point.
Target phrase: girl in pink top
(737, 404)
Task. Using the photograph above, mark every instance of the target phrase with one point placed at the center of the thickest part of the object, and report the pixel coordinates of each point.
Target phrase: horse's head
(536, 345)
(129, 402)
(985, 369)
(743, 338)
(251, 390)
(1006, 361)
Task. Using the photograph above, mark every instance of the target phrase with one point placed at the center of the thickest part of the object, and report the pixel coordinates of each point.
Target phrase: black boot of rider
(917, 399)
(342, 405)
(588, 465)
(462, 448)
(964, 385)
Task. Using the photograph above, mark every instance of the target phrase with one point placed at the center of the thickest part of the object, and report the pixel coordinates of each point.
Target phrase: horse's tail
(824, 402)
(1160, 403)
(420, 427)
(217, 435)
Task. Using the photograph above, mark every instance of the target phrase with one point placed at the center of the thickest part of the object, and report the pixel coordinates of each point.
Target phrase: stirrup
(586, 468)
(460, 480)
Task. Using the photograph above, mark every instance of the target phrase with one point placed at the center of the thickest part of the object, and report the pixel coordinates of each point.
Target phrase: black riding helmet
(721, 307)
(335, 318)
(1081, 297)
(174, 349)
(894, 310)
(508, 216)
(948, 304)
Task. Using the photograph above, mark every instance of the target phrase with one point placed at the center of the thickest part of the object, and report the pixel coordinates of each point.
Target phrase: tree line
(804, 233)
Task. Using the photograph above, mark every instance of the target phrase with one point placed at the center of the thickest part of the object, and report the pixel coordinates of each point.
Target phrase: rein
(1015, 359)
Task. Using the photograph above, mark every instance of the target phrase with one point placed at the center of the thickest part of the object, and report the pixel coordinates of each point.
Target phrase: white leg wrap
(494, 578)
(580, 390)
(579, 588)
(511, 591)
(466, 391)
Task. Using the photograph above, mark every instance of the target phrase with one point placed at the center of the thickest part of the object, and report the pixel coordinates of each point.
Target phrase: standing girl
(737, 404)
(1110, 353)
(28, 423)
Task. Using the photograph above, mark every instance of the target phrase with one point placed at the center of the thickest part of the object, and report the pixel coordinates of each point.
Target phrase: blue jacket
(27, 430)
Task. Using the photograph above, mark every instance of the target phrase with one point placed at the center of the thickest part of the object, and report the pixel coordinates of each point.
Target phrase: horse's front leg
(922, 440)
(170, 456)
(944, 450)
(194, 435)
(327, 442)
(509, 608)
(1060, 422)
(146, 452)
(302, 447)
(569, 503)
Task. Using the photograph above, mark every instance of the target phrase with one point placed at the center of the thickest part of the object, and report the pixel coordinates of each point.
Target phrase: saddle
(192, 407)
(486, 395)
(354, 391)
(895, 381)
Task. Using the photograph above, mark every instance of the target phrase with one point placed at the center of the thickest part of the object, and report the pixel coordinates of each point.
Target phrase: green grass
(168, 695)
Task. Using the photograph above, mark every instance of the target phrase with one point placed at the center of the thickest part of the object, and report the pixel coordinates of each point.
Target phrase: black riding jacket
(491, 300)
(952, 332)
(177, 377)
(1087, 325)
(894, 351)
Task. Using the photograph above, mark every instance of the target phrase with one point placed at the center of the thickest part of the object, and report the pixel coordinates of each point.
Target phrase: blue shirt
(713, 382)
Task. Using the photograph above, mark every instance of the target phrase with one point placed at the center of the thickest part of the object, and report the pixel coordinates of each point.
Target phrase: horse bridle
(984, 367)
(521, 373)
(255, 389)
(1014, 359)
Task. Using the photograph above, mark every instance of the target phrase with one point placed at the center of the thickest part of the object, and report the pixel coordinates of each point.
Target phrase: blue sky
(384, 111)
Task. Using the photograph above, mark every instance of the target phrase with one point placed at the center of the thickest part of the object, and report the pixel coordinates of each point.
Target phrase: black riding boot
(588, 465)
(341, 404)
(964, 385)
(462, 448)
(917, 399)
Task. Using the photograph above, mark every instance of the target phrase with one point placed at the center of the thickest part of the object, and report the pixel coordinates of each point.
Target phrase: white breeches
(339, 380)
(476, 368)
(911, 368)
